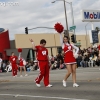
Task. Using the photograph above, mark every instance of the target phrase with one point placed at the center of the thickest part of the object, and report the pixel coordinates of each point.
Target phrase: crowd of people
(86, 58)
(89, 57)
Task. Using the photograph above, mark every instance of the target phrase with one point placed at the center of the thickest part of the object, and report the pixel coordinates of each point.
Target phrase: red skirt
(69, 58)
(21, 64)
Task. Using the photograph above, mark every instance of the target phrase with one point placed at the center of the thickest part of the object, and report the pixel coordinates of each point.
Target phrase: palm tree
(97, 29)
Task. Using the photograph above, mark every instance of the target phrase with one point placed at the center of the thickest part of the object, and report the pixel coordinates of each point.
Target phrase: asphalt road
(25, 89)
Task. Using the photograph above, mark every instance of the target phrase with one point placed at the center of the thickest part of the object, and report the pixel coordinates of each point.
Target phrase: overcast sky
(43, 13)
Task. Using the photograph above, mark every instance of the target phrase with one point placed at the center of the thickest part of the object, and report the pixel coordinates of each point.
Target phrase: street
(24, 88)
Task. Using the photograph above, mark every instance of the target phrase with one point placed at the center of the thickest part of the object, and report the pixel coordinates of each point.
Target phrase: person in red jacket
(13, 60)
(22, 64)
(43, 61)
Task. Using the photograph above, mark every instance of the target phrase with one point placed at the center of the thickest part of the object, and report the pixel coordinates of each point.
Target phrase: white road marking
(17, 95)
(45, 97)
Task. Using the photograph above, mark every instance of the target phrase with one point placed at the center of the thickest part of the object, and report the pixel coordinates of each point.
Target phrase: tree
(97, 29)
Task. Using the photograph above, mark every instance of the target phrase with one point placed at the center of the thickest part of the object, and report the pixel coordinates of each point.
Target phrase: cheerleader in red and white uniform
(22, 64)
(69, 59)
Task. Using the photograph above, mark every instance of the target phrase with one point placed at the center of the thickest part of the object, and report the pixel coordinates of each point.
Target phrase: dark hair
(42, 41)
(12, 52)
(67, 38)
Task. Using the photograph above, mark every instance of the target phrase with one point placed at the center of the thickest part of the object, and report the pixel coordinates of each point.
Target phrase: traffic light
(26, 30)
(73, 38)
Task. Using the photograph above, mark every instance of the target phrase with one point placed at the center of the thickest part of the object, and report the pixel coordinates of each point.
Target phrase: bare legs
(68, 73)
(71, 69)
(24, 70)
(74, 73)
(20, 70)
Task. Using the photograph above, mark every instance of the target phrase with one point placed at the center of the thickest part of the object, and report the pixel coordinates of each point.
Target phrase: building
(53, 43)
(4, 43)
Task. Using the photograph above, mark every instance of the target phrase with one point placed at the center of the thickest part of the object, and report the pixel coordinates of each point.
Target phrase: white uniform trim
(73, 46)
(68, 50)
(71, 63)
(0, 62)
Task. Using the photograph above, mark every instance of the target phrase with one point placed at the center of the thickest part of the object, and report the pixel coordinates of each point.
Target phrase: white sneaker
(75, 85)
(38, 69)
(15, 75)
(26, 74)
(38, 85)
(21, 76)
(49, 85)
(64, 83)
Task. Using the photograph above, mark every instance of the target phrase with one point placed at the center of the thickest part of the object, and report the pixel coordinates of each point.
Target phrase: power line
(40, 27)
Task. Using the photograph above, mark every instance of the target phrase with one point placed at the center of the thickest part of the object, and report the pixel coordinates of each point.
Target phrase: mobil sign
(90, 15)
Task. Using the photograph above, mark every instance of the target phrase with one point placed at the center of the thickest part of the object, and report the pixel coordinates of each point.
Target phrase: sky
(43, 13)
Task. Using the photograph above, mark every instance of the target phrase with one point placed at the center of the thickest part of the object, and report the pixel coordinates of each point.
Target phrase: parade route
(25, 89)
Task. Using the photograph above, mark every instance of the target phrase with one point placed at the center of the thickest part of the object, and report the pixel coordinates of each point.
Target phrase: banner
(95, 36)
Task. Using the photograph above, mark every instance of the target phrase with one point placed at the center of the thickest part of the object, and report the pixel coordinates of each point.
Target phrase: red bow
(59, 28)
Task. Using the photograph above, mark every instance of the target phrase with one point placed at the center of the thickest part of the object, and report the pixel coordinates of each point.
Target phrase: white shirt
(0, 60)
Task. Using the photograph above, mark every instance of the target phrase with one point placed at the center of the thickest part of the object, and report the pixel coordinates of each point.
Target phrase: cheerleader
(22, 64)
(69, 59)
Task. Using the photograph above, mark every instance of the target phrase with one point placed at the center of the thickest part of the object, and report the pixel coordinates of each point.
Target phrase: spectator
(86, 60)
(94, 59)
(35, 65)
(54, 65)
(82, 63)
(98, 61)
(79, 59)
(52, 59)
(62, 66)
(90, 62)
(8, 67)
(0, 62)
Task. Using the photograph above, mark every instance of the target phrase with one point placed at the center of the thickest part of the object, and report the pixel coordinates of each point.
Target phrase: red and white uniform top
(41, 53)
(68, 50)
(13, 59)
(21, 61)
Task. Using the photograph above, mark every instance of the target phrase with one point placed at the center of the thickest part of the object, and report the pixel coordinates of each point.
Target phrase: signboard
(78, 44)
(73, 28)
(90, 15)
(93, 35)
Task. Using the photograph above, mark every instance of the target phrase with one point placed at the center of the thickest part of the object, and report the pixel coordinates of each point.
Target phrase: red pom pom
(59, 28)
(19, 50)
(99, 47)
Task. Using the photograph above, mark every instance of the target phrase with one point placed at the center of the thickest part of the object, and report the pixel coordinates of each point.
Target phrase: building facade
(53, 43)
(4, 43)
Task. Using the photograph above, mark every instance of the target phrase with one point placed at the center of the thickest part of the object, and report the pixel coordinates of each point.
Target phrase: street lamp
(86, 34)
(65, 15)
(71, 12)
(72, 15)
